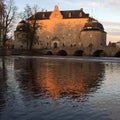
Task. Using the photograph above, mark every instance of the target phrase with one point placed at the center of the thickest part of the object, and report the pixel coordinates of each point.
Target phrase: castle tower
(22, 35)
(93, 34)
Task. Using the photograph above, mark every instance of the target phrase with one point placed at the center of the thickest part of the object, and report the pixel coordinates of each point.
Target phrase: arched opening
(49, 53)
(99, 53)
(117, 54)
(55, 45)
(78, 53)
(62, 52)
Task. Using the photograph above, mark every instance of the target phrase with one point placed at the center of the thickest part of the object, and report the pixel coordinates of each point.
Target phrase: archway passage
(117, 54)
(62, 53)
(49, 53)
(55, 45)
(78, 53)
(99, 53)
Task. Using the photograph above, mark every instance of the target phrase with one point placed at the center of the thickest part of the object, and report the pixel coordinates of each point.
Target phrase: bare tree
(1, 19)
(30, 15)
(9, 15)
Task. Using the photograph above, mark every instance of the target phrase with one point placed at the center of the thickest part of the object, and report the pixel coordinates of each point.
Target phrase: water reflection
(3, 85)
(57, 79)
(64, 89)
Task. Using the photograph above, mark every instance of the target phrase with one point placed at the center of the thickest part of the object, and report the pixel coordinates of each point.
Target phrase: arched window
(43, 15)
(80, 14)
(55, 45)
(69, 15)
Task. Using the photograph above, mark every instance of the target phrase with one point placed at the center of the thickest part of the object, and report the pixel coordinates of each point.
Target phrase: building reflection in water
(59, 78)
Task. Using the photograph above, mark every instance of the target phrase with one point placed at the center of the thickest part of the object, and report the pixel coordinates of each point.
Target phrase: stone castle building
(60, 29)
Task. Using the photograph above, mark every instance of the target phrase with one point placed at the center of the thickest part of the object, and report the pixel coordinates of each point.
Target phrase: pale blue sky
(105, 11)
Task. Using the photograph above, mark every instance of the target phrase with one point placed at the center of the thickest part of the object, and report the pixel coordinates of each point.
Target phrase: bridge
(106, 51)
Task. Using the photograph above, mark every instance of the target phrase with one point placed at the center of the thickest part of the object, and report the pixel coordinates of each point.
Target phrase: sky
(106, 12)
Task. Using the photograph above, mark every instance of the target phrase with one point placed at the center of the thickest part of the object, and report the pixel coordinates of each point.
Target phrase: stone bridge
(80, 51)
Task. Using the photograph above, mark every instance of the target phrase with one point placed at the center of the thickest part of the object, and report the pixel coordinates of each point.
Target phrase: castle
(62, 29)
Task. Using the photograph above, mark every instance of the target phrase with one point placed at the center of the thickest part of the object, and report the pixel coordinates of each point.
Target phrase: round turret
(93, 34)
(93, 25)
(23, 26)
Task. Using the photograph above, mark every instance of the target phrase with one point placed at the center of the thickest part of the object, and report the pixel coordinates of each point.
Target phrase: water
(62, 88)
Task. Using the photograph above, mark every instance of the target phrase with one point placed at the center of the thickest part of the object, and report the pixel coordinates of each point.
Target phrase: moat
(59, 88)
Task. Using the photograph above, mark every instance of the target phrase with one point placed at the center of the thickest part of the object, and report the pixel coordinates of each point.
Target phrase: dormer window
(43, 16)
(20, 29)
(69, 15)
(89, 27)
(80, 14)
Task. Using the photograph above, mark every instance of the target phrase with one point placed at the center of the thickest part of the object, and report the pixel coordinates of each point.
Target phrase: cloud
(95, 4)
(113, 3)
(112, 25)
(70, 4)
(105, 3)
(92, 3)
(111, 38)
(113, 30)
(108, 23)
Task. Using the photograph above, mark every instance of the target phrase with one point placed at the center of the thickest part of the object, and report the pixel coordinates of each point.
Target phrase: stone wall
(93, 38)
(66, 32)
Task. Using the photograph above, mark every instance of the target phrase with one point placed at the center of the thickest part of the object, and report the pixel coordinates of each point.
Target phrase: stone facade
(93, 34)
(59, 29)
(21, 35)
